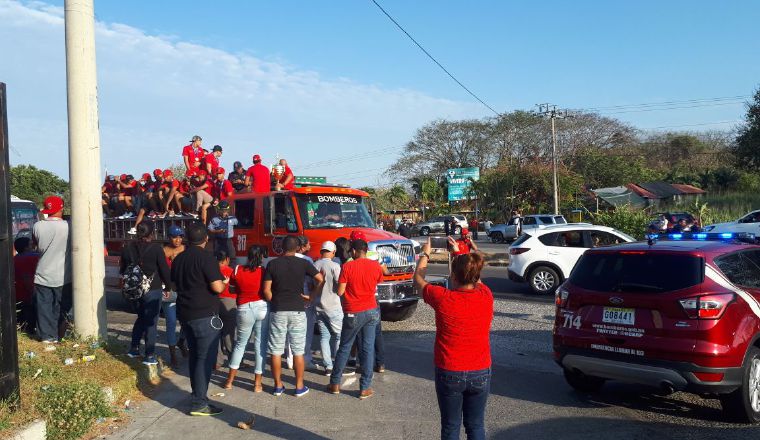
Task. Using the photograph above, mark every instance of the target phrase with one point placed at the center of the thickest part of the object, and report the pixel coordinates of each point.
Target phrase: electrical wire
(433, 59)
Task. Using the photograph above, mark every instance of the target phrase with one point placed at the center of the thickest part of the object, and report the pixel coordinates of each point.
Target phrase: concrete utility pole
(550, 111)
(88, 267)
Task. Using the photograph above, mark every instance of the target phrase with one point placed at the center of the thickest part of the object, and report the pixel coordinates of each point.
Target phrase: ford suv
(680, 313)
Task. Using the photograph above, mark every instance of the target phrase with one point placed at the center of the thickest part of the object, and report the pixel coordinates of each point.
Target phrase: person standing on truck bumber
(222, 229)
(52, 279)
(283, 287)
(288, 180)
(199, 281)
(192, 153)
(222, 189)
(258, 178)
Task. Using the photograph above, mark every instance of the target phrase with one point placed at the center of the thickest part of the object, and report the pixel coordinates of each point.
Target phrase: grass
(71, 398)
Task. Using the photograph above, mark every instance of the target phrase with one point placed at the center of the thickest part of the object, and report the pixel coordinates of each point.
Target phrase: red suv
(680, 313)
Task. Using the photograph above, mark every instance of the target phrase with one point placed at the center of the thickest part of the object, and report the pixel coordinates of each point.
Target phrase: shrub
(72, 408)
(626, 219)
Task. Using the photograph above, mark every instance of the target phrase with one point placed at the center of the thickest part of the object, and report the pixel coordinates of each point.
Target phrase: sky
(337, 89)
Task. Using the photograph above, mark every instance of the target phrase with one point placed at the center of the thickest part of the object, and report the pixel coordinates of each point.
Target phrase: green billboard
(460, 180)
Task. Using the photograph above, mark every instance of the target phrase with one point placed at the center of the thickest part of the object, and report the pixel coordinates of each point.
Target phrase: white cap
(328, 246)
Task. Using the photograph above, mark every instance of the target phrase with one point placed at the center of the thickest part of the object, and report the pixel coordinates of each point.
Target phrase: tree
(747, 150)
(31, 183)
(397, 196)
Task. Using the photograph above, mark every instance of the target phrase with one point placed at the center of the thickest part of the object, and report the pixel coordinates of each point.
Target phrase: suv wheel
(425, 231)
(543, 280)
(457, 230)
(581, 382)
(497, 237)
(744, 404)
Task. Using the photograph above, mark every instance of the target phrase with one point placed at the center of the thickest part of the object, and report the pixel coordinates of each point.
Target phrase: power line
(733, 121)
(433, 58)
(666, 103)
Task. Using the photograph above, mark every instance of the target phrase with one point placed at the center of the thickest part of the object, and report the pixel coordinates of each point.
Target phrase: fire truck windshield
(332, 211)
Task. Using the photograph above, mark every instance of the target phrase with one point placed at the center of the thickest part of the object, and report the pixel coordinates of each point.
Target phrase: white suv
(545, 257)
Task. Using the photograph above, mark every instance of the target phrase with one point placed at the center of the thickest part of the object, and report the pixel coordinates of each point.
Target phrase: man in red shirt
(222, 189)
(192, 153)
(258, 177)
(464, 243)
(170, 196)
(108, 190)
(288, 180)
(200, 186)
(25, 266)
(212, 160)
(357, 284)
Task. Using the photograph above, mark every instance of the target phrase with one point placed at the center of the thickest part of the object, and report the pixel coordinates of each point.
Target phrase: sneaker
(366, 394)
(150, 360)
(209, 410)
(132, 231)
(380, 368)
(193, 215)
(347, 372)
(328, 371)
(302, 391)
(278, 391)
(161, 215)
(152, 214)
(50, 341)
(309, 366)
(171, 215)
(129, 215)
(133, 354)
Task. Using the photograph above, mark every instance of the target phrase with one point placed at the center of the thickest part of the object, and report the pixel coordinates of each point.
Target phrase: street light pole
(88, 266)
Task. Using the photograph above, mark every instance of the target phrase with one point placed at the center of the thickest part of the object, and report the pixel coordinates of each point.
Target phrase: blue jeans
(252, 317)
(311, 319)
(203, 343)
(148, 308)
(462, 393)
(360, 324)
(330, 324)
(170, 315)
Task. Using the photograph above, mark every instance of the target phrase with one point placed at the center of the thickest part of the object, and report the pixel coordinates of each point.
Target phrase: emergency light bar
(744, 237)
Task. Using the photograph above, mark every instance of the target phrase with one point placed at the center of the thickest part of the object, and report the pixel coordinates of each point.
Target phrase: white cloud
(156, 92)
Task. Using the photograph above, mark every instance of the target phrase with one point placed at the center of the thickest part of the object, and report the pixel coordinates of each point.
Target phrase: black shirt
(152, 260)
(192, 272)
(287, 275)
(234, 176)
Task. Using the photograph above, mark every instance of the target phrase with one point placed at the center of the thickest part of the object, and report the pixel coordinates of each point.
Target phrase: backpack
(135, 283)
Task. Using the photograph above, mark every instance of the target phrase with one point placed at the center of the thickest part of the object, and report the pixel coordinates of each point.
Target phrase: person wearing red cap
(200, 186)
(465, 245)
(52, 279)
(169, 193)
(258, 178)
(288, 180)
(222, 189)
(192, 153)
(107, 191)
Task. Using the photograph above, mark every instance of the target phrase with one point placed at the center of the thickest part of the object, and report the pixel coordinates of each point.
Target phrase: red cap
(168, 172)
(191, 172)
(157, 172)
(465, 231)
(358, 235)
(123, 177)
(256, 158)
(220, 170)
(52, 205)
(201, 174)
(146, 176)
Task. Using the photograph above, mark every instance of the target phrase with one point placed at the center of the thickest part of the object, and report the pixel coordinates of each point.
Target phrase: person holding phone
(462, 352)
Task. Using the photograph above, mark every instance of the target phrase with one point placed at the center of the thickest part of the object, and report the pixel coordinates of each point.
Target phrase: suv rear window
(741, 268)
(520, 240)
(637, 272)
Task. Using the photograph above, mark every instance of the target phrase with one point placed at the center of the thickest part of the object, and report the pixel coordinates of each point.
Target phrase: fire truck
(321, 212)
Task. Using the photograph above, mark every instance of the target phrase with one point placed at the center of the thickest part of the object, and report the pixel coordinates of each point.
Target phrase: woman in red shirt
(252, 314)
(462, 351)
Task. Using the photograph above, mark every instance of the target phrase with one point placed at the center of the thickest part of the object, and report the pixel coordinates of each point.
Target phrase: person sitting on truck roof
(258, 178)
(168, 193)
(288, 180)
(107, 191)
(237, 176)
(200, 186)
(222, 188)
(192, 153)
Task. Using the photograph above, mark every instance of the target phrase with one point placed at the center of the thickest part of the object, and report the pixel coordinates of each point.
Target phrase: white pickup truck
(503, 232)
(749, 223)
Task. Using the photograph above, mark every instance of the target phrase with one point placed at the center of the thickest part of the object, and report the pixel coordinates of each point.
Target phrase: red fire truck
(320, 212)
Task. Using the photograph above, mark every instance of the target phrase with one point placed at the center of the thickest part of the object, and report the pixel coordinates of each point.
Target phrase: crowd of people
(204, 184)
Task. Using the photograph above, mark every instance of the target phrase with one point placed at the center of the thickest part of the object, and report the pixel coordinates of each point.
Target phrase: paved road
(529, 400)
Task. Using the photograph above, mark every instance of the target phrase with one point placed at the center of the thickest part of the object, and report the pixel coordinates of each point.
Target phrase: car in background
(24, 214)
(680, 314)
(544, 257)
(503, 232)
(436, 224)
(673, 218)
(750, 223)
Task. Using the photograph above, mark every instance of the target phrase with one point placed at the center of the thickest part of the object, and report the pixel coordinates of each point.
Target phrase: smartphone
(439, 242)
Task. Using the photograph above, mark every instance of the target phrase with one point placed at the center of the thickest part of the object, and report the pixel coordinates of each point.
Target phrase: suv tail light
(518, 251)
(560, 297)
(707, 306)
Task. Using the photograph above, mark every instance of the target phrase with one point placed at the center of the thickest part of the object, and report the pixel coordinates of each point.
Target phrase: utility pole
(88, 266)
(551, 111)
